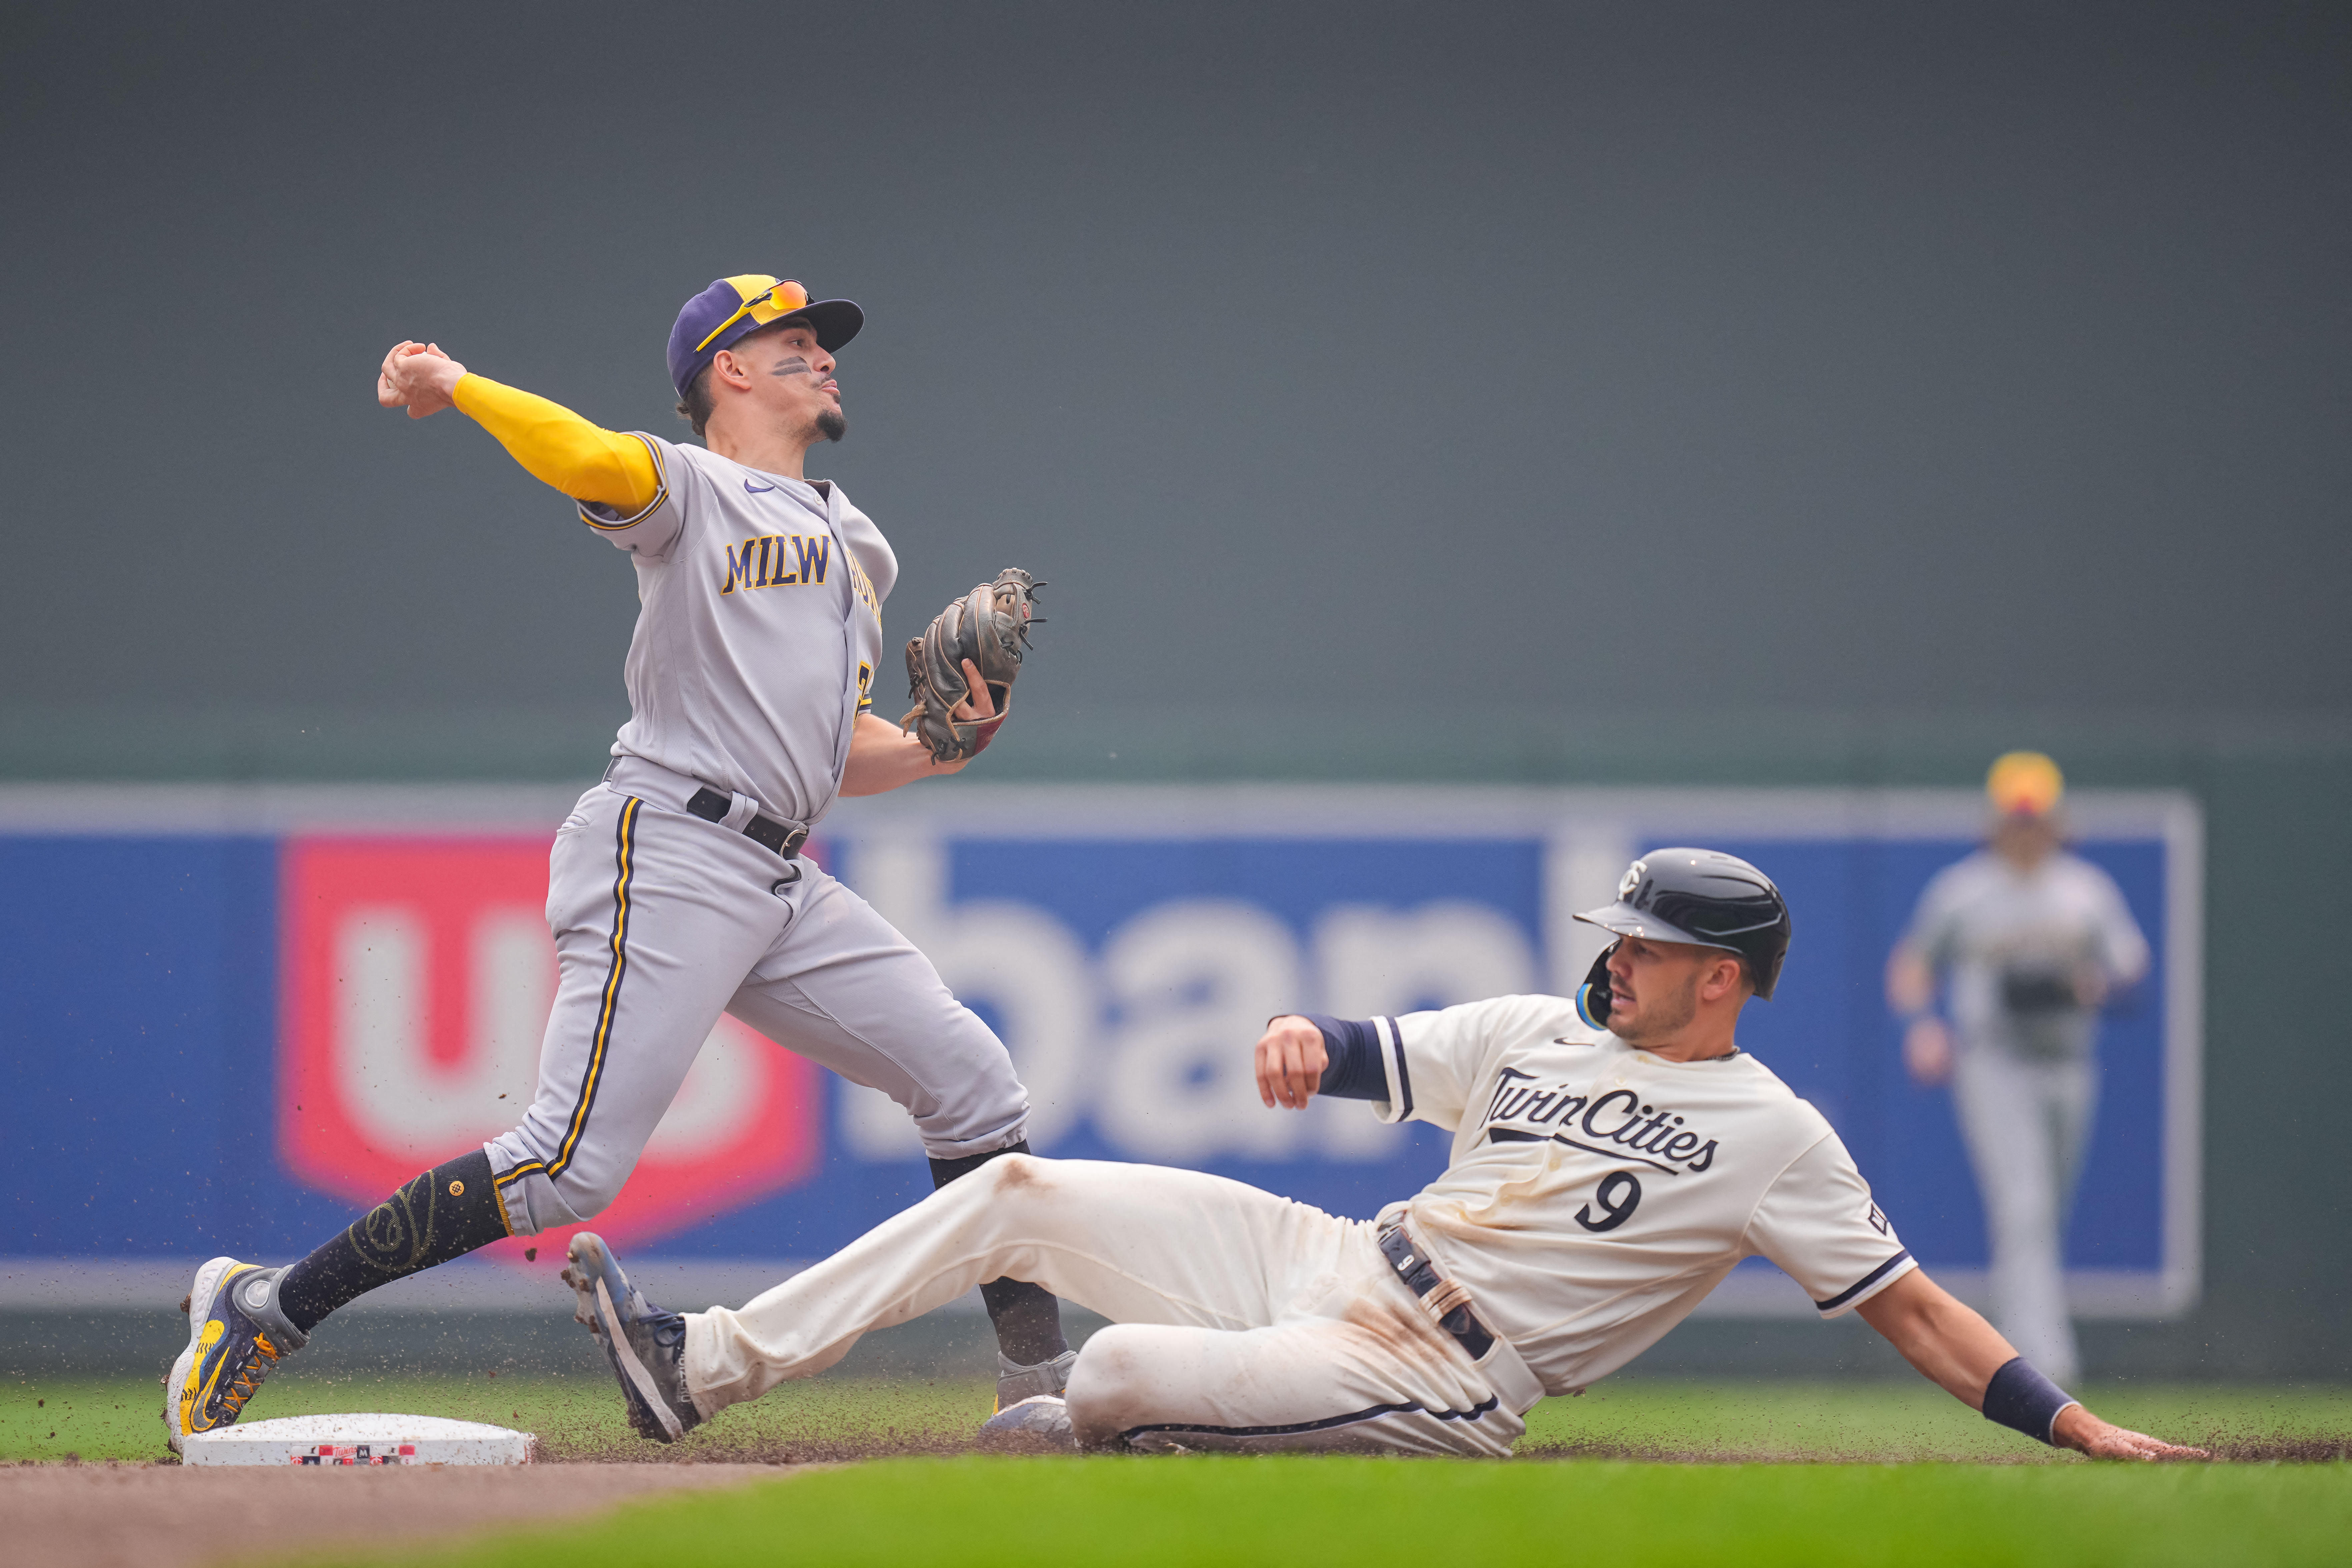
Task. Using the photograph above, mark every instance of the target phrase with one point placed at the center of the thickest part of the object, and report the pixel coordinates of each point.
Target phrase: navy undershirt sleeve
(1354, 1070)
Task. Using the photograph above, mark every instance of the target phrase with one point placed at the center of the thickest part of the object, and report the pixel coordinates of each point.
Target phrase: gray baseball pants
(2028, 1124)
(662, 921)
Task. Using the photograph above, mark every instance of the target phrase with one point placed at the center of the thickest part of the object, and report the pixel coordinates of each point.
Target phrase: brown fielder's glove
(990, 626)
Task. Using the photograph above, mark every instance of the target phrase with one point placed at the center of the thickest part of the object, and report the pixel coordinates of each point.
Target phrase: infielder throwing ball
(676, 889)
(1613, 1157)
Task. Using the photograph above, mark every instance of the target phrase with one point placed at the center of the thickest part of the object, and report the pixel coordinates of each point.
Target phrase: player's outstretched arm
(882, 756)
(1954, 1348)
(555, 446)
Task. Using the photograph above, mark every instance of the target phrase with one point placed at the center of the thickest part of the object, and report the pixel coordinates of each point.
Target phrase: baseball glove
(990, 626)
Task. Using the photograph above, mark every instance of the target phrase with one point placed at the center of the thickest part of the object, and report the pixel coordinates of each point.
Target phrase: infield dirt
(171, 1516)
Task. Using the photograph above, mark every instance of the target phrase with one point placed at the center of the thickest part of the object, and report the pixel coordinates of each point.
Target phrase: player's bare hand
(980, 704)
(2085, 1433)
(419, 378)
(1928, 1050)
(1290, 1062)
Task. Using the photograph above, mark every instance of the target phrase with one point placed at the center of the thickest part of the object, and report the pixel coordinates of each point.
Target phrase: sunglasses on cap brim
(782, 299)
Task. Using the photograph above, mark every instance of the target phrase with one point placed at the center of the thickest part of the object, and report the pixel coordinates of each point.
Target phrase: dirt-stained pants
(1240, 1321)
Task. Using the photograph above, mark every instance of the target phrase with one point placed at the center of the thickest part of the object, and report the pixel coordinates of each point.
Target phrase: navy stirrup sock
(445, 1213)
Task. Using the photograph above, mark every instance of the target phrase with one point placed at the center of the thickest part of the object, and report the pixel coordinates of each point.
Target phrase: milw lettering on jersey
(778, 561)
(860, 585)
(1617, 1125)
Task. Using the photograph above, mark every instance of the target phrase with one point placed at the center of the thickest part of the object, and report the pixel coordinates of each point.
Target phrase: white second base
(361, 1439)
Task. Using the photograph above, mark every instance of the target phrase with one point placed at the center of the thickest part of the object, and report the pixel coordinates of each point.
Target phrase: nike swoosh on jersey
(756, 489)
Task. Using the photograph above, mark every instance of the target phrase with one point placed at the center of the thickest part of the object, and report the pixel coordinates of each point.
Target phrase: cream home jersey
(2005, 934)
(758, 628)
(1596, 1192)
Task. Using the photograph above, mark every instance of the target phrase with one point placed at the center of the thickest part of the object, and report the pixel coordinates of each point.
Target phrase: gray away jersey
(759, 627)
(1991, 925)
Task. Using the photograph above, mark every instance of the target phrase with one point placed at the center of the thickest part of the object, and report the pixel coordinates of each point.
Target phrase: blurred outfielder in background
(2032, 941)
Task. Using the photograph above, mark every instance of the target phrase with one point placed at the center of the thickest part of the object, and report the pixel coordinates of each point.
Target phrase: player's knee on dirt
(1110, 1385)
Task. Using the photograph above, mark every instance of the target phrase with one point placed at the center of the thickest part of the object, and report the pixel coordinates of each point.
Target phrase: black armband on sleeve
(1353, 1071)
(2019, 1397)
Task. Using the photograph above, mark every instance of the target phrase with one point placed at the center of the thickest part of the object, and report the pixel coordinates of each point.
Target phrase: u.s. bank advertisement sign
(238, 1016)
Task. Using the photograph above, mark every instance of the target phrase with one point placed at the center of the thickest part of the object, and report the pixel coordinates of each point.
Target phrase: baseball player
(1613, 1157)
(675, 888)
(2033, 940)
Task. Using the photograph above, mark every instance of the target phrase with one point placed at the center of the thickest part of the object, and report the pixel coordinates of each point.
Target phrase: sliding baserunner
(677, 888)
(1613, 1157)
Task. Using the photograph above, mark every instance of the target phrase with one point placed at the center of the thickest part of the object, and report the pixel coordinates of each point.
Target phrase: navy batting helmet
(1701, 896)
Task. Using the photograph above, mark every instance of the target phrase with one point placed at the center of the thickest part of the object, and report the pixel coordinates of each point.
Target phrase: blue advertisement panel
(229, 1030)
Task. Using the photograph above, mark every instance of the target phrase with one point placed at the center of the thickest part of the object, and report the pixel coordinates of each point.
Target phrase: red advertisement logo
(417, 983)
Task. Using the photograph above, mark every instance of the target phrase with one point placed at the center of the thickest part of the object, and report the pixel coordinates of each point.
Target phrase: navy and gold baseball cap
(733, 307)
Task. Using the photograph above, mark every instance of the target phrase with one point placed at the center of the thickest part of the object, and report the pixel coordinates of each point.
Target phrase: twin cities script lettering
(776, 560)
(1616, 1124)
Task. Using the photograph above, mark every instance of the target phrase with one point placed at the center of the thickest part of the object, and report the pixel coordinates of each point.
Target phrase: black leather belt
(784, 838)
(1420, 1277)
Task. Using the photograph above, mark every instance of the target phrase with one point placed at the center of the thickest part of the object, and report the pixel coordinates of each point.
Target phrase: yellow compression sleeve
(556, 447)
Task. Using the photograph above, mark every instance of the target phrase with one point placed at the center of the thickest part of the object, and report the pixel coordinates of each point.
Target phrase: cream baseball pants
(1240, 1321)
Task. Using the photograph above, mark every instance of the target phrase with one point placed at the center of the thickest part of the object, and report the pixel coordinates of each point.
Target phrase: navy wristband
(1352, 1068)
(2019, 1397)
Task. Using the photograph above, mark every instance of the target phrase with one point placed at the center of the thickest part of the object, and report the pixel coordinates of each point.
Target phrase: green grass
(835, 1417)
(1906, 1420)
(974, 1513)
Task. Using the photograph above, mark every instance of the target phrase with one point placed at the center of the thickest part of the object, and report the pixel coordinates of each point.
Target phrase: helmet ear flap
(1593, 999)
